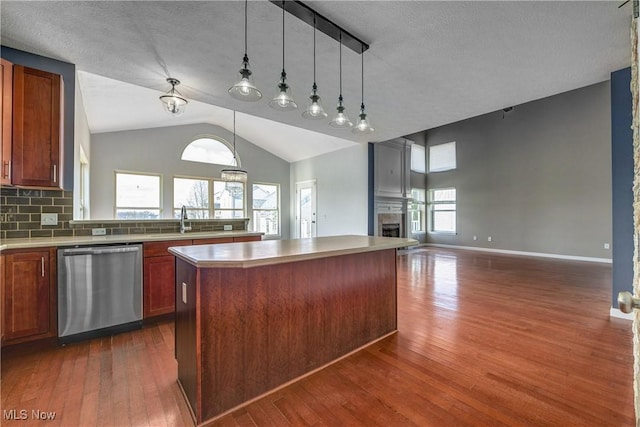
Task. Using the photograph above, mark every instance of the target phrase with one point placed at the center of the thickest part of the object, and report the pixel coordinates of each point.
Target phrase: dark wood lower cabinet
(159, 272)
(29, 299)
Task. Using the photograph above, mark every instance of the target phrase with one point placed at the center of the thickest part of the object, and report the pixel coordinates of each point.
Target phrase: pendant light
(234, 174)
(174, 103)
(283, 100)
(314, 111)
(244, 89)
(340, 121)
(362, 127)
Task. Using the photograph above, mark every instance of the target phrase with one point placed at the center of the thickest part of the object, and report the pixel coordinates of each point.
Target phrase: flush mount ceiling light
(244, 89)
(340, 121)
(234, 173)
(283, 100)
(314, 111)
(174, 103)
(362, 127)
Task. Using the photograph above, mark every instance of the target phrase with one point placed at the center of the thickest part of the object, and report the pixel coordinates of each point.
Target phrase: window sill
(443, 233)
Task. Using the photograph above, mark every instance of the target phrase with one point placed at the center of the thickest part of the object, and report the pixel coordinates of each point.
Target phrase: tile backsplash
(21, 211)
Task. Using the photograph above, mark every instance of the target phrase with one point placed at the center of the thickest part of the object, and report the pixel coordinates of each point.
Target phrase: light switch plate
(49, 219)
(228, 227)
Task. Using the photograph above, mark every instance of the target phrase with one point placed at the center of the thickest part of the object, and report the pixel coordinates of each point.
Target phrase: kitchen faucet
(183, 216)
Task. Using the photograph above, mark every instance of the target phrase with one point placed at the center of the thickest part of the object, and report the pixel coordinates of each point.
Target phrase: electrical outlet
(98, 231)
(228, 227)
(475, 237)
(489, 239)
(606, 246)
(49, 219)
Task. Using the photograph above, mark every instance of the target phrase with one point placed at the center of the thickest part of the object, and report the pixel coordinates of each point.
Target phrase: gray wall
(159, 150)
(341, 185)
(537, 180)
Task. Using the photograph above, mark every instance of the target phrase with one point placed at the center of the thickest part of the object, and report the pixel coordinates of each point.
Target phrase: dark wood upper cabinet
(6, 107)
(36, 128)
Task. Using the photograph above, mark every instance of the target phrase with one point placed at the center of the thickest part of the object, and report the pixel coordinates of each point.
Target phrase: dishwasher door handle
(86, 251)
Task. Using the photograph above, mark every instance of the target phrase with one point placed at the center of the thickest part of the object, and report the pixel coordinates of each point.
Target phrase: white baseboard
(614, 312)
(534, 254)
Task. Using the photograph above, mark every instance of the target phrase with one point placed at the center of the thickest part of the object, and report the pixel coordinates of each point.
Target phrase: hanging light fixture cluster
(245, 90)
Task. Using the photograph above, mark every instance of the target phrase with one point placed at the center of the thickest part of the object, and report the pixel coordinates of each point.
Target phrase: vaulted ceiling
(429, 63)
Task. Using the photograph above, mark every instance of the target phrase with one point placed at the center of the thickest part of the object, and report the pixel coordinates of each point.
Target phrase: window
(416, 210)
(442, 204)
(418, 158)
(442, 157)
(210, 149)
(137, 196)
(228, 199)
(192, 193)
(266, 209)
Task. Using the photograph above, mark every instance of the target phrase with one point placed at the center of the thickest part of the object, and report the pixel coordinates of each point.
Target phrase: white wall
(341, 184)
(159, 150)
(82, 138)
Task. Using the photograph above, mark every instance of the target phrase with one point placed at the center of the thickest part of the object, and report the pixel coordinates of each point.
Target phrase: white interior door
(306, 209)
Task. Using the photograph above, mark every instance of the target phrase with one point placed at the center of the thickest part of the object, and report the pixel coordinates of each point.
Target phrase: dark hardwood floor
(484, 340)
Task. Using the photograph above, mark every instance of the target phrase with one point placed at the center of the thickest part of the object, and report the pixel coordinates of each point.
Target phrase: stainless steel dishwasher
(99, 290)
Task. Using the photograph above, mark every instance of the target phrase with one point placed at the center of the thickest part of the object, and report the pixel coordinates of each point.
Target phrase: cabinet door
(6, 108)
(27, 294)
(159, 285)
(36, 128)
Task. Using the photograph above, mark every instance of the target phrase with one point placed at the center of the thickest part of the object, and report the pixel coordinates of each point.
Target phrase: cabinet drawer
(213, 241)
(247, 239)
(160, 248)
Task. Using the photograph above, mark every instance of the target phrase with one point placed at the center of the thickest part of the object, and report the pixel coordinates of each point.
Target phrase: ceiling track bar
(306, 14)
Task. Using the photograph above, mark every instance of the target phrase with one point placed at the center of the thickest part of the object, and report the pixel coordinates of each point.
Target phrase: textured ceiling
(429, 63)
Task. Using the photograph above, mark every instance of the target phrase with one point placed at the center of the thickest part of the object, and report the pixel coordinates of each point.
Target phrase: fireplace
(391, 230)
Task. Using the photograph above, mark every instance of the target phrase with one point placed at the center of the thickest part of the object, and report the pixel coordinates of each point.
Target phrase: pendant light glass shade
(244, 89)
(362, 126)
(174, 103)
(234, 174)
(314, 111)
(283, 100)
(340, 121)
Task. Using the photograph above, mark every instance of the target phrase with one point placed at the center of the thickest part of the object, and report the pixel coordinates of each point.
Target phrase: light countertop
(41, 242)
(267, 252)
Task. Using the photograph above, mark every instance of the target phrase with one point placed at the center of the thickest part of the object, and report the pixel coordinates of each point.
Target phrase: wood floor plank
(484, 340)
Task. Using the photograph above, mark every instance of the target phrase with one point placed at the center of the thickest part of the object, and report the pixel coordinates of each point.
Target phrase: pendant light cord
(314, 49)
(362, 73)
(340, 63)
(283, 36)
(234, 137)
(245, 27)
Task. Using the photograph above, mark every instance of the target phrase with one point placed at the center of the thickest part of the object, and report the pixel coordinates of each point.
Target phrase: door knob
(627, 302)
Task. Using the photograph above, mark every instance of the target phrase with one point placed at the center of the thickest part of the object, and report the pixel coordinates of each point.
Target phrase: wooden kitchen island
(251, 317)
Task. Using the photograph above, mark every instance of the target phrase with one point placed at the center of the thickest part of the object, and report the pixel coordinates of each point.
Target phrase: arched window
(209, 149)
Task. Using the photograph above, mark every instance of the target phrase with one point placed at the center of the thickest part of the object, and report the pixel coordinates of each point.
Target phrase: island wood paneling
(262, 327)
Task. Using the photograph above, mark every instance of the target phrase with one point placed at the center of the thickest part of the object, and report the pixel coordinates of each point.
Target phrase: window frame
(432, 210)
(441, 169)
(420, 206)
(234, 161)
(212, 200)
(176, 211)
(277, 210)
(136, 208)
